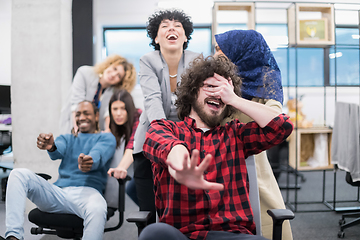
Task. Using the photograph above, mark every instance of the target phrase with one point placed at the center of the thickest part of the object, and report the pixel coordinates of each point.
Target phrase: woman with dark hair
(124, 119)
(261, 82)
(160, 71)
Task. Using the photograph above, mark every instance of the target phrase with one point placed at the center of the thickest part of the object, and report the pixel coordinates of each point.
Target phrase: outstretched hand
(85, 162)
(45, 141)
(185, 170)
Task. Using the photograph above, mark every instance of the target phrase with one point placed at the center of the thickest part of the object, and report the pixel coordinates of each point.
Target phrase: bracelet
(53, 148)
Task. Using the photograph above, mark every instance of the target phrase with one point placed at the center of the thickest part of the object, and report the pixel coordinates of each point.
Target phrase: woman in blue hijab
(261, 82)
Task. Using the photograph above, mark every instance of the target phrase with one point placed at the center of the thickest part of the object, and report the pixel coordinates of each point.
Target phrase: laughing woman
(160, 71)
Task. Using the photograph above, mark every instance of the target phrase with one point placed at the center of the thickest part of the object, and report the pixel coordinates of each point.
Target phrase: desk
(7, 160)
(5, 127)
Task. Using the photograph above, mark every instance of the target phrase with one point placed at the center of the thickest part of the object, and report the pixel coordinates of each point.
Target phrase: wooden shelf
(311, 32)
(249, 7)
(303, 147)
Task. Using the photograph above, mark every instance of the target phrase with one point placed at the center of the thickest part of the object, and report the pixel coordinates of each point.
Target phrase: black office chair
(356, 215)
(70, 226)
(278, 158)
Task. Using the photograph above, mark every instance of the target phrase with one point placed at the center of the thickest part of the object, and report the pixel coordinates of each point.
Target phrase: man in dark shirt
(200, 177)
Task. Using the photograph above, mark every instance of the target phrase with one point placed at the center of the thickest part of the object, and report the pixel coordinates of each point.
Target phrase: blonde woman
(96, 84)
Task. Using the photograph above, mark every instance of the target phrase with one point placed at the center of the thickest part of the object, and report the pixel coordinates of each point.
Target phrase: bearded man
(200, 177)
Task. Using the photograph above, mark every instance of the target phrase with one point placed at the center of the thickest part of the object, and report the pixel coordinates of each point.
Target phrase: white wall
(41, 69)
(5, 42)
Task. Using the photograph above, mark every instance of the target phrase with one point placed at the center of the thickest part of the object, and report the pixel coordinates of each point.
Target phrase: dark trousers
(163, 231)
(144, 185)
(131, 191)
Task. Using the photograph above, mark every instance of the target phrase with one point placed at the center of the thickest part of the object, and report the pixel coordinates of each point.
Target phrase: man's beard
(211, 120)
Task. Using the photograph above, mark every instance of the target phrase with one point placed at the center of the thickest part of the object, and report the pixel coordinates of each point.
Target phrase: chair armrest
(44, 175)
(121, 203)
(140, 219)
(141, 216)
(279, 216)
(122, 181)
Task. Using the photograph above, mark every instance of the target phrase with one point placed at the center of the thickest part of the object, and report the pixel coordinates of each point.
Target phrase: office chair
(70, 226)
(278, 158)
(278, 215)
(356, 215)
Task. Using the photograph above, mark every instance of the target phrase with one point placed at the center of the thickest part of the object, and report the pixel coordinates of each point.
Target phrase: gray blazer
(155, 84)
(84, 87)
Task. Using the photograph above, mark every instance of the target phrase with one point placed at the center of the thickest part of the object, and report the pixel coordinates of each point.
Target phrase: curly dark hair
(178, 15)
(193, 78)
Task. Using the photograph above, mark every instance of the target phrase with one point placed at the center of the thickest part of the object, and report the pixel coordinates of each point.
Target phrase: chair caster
(341, 234)
(303, 179)
(341, 222)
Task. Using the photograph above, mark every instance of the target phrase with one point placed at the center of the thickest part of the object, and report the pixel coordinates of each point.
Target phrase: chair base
(343, 224)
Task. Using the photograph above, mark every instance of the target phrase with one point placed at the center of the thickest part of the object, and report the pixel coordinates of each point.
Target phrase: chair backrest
(111, 194)
(254, 192)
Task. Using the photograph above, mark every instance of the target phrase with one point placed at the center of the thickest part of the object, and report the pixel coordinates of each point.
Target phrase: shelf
(302, 146)
(248, 7)
(314, 32)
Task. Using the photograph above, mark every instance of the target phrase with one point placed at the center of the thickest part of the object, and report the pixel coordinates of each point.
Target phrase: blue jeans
(85, 202)
(163, 231)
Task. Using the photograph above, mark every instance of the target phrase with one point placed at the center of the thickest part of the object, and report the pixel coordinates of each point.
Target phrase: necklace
(172, 76)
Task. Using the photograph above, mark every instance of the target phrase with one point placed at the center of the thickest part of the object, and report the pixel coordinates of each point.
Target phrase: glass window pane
(133, 43)
(347, 36)
(310, 67)
(347, 66)
(129, 43)
(201, 41)
(224, 27)
(281, 58)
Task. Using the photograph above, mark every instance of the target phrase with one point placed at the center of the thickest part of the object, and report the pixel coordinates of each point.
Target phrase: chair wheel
(341, 222)
(303, 179)
(341, 234)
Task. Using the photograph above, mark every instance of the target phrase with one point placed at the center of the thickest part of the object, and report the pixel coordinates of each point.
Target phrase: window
(344, 58)
(132, 43)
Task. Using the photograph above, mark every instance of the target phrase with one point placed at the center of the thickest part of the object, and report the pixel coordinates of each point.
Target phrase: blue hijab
(260, 74)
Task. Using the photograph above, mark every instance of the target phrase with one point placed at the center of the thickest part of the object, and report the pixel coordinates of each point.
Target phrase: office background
(38, 55)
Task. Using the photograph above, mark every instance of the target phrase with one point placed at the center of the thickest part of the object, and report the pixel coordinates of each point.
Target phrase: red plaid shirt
(195, 212)
(130, 144)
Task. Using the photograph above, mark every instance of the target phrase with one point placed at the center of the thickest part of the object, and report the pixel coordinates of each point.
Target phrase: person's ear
(156, 41)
